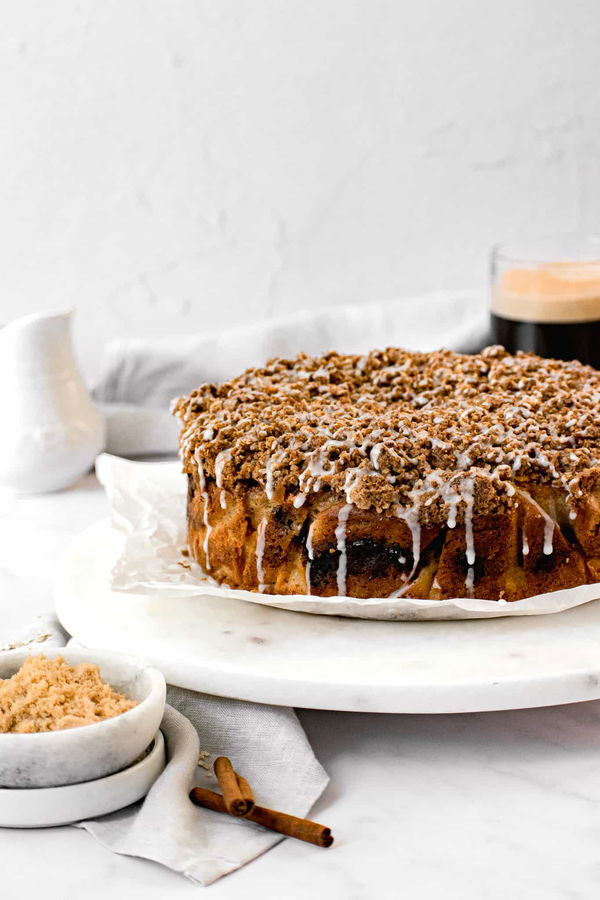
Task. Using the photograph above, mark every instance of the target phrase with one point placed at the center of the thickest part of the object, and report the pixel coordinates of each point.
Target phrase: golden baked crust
(428, 475)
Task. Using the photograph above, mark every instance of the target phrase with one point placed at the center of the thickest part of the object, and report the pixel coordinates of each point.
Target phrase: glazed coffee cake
(425, 475)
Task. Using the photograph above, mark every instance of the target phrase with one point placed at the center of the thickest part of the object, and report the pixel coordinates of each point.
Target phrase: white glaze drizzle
(311, 555)
(468, 499)
(220, 462)
(375, 454)
(452, 498)
(450, 495)
(260, 551)
(549, 526)
(410, 515)
(340, 536)
(270, 464)
(548, 535)
(350, 479)
(470, 580)
(204, 492)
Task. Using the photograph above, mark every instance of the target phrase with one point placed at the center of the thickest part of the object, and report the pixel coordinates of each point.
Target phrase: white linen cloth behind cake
(141, 376)
(266, 743)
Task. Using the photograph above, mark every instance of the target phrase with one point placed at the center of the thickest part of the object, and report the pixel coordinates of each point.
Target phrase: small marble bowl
(52, 758)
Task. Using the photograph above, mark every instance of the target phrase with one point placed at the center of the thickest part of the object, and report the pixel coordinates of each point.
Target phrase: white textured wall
(169, 165)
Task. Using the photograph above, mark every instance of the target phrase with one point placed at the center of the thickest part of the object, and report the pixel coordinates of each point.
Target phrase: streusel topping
(392, 427)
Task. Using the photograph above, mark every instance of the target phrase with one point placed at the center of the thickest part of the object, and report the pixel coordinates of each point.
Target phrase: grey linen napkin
(265, 743)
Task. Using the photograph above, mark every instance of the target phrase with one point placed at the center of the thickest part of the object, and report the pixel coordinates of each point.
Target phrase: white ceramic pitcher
(50, 430)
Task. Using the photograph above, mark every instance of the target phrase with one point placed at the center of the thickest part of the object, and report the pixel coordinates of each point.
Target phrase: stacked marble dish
(57, 777)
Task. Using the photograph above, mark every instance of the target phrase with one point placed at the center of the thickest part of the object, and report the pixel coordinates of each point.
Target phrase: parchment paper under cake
(147, 502)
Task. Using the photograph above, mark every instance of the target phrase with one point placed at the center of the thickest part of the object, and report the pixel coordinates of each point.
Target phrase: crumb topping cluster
(396, 428)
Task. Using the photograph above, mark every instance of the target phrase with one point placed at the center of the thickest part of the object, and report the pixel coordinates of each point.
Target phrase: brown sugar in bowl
(89, 751)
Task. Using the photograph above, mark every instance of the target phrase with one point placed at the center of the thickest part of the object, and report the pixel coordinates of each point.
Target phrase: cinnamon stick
(291, 826)
(236, 802)
(245, 789)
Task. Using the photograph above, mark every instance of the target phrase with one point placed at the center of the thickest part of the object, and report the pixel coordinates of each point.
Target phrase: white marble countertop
(460, 806)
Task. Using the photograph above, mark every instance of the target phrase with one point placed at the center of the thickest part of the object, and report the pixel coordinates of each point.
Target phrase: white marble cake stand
(238, 649)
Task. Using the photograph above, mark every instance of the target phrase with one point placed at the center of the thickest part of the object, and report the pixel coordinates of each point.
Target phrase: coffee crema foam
(555, 292)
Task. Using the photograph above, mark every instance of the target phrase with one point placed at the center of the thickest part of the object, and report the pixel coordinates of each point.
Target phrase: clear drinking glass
(545, 296)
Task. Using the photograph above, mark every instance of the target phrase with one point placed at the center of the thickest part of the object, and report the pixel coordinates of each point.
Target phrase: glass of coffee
(546, 296)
